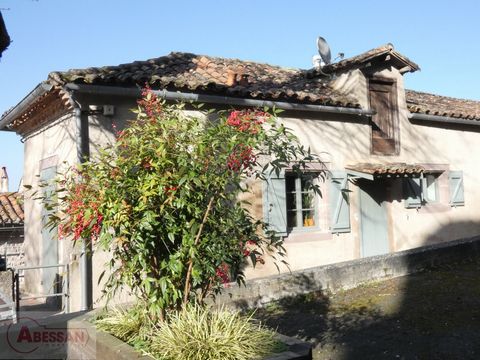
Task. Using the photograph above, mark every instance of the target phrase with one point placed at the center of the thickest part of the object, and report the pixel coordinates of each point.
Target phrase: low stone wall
(348, 274)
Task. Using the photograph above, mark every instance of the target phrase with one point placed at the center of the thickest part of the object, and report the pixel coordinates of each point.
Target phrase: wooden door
(373, 218)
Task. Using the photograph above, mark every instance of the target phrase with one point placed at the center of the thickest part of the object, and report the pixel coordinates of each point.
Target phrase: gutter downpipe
(83, 154)
(443, 119)
(40, 90)
(215, 99)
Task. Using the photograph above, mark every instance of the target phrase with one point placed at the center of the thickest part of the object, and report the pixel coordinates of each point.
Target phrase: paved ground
(431, 315)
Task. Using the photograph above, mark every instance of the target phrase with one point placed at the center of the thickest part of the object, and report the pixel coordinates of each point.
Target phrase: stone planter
(89, 343)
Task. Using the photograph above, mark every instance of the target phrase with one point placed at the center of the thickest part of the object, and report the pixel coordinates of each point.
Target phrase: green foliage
(163, 200)
(131, 325)
(197, 333)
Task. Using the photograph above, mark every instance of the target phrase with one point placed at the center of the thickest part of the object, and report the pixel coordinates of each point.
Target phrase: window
(289, 204)
(430, 188)
(301, 209)
(383, 100)
(426, 190)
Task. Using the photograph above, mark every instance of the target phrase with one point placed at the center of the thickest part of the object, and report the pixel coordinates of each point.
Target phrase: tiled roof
(198, 73)
(384, 50)
(424, 103)
(11, 209)
(387, 169)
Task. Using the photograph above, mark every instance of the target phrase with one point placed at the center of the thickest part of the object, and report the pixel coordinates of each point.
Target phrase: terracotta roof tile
(200, 73)
(11, 209)
(367, 56)
(387, 169)
(431, 104)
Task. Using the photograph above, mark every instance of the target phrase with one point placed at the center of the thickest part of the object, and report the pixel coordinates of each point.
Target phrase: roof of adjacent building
(199, 73)
(431, 104)
(11, 209)
(4, 38)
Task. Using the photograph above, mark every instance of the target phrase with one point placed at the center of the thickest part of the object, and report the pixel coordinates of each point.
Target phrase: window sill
(303, 235)
(433, 208)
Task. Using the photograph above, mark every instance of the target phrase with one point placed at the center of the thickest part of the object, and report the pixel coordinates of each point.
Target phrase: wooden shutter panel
(339, 204)
(275, 203)
(455, 181)
(412, 189)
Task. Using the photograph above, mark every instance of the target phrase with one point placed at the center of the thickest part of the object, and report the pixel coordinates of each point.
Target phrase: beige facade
(342, 139)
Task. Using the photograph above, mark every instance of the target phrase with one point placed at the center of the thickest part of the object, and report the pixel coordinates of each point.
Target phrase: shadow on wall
(432, 314)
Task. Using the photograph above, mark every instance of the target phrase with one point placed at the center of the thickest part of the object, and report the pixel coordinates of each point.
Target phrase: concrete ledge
(349, 274)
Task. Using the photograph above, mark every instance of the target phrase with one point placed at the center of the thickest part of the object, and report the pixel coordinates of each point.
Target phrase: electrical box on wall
(108, 110)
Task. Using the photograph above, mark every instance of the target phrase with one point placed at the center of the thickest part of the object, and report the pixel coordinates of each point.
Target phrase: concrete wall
(345, 140)
(51, 147)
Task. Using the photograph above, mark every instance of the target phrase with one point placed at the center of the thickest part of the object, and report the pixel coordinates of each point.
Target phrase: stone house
(11, 224)
(407, 158)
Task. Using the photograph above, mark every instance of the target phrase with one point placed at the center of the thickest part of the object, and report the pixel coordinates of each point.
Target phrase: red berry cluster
(247, 120)
(222, 273)
(242, 157)
(151, 103)
(78, 222)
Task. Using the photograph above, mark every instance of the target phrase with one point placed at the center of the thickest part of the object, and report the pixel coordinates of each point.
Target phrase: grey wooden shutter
(275, 203)
(455, 181)
(339, 204)
(412, 189)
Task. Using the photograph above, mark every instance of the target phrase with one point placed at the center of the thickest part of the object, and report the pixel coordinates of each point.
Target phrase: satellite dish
(324, 50)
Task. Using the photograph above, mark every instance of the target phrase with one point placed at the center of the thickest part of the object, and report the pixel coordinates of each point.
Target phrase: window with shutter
(412, 189)
(383, 100)
(275, 204)
(339, 203)
(455, 180)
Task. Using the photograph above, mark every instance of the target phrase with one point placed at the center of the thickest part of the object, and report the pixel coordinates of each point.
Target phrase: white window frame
(299, 206)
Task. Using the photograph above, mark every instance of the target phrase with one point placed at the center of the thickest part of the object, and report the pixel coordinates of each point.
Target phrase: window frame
(425, 199)
(298, 201)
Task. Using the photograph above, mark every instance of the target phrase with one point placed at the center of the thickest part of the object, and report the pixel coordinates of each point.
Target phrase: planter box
(19, 341)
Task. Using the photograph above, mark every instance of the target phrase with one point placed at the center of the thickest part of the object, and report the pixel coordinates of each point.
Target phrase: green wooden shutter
(455, 181)
(339, 204)
(275, 203)
(412, 190)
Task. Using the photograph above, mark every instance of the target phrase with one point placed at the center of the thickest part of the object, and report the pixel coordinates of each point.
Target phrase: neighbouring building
(408, 158)
(11, 224)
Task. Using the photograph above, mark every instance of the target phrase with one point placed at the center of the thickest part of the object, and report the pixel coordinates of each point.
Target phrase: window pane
(431, 188)
(306, 182)
(290, 183)
(291, 219)
(308, 200)
(291, 201)
(308, 218)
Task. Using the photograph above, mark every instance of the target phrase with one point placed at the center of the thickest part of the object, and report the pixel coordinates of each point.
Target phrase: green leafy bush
(164, 201)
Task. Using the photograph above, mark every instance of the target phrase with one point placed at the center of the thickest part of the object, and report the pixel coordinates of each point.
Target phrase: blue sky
(441, 36)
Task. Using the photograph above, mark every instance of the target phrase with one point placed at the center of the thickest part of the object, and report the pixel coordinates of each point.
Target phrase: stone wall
(11, 244)
(349, 274)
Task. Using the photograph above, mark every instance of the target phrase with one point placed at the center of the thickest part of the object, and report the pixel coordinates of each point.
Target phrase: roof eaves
(16, 111)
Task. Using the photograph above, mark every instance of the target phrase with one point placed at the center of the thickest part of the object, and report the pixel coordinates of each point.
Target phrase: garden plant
(163, 200)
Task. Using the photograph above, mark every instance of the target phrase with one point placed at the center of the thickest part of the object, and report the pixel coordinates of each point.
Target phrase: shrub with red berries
(164, 200)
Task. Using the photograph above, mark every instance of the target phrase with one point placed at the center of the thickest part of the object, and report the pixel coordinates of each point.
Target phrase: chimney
(3, 180)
